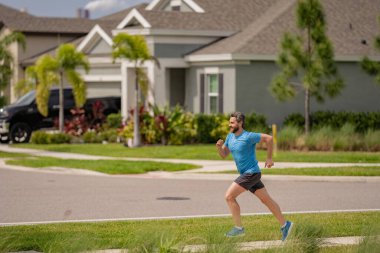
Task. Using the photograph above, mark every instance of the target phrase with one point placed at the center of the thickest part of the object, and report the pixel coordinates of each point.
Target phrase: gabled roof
(349, 24)
(133, 17)
(96, 34)
(156, 4)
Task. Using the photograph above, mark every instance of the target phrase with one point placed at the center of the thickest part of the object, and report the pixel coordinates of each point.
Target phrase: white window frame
(209, 94)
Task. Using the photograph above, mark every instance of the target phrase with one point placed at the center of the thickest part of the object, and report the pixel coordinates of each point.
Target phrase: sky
(68, 8)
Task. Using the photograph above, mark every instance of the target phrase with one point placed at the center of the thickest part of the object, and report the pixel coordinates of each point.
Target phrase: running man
(242, 145)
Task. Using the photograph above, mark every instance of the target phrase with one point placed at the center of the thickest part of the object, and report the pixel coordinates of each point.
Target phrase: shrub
(40, 137)
(126, 131)
(92, 137)
(213, 127)
(59, 138)
(110, 135)
(114, 120)
(256, 123)
(222, 128)
(205, 124)
(372, 140)
(182, 127)
(295, 120)
(362, 121)
(169, 126)
(288, 136)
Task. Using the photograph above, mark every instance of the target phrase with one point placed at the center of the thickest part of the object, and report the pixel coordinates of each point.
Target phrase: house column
(151, 77)
(124, 91)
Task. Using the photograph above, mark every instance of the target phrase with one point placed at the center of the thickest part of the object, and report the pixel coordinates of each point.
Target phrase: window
(212, 93)
(176, 8)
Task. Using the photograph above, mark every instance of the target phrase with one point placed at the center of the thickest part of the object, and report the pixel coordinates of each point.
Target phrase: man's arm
(222, 149)
(269, 141)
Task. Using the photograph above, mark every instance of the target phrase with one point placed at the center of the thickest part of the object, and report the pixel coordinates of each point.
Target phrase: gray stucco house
(219, 55)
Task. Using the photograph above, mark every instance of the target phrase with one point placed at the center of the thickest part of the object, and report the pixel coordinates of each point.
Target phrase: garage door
(103, 89)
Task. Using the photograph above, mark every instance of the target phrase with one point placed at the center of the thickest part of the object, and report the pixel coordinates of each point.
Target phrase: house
(42, 34)
(219, 56)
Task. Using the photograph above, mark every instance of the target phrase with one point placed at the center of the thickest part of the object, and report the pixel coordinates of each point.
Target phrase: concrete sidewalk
(248, 246)
(257, 245)
(207, 166)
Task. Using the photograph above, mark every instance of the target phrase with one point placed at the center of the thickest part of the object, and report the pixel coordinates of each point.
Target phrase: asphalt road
(27, 196)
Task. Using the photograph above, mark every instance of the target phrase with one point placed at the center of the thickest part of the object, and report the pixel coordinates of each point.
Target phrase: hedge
(362, 121)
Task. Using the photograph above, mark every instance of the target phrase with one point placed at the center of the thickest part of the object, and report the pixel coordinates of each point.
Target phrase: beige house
(42, 35)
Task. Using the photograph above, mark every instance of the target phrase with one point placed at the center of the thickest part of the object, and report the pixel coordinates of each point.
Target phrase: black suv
(18, 120)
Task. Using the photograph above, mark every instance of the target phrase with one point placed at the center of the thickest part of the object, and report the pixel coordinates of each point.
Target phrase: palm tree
(6, 59)
(52, 70)
(135, 49)
(27, 84)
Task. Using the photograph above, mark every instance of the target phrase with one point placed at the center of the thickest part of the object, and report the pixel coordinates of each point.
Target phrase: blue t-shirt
(243, 149)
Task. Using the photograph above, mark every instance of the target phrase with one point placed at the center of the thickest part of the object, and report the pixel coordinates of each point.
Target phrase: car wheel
(20, 133)
(4, 139)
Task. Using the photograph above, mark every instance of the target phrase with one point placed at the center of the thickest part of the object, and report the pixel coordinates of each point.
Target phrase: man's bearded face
(234, 125)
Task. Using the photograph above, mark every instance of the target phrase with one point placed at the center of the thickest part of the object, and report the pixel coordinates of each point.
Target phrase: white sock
(284, 225)
(239, 227)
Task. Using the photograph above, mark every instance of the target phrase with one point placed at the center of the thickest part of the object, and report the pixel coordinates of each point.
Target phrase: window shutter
(202, 93)
(220, 95)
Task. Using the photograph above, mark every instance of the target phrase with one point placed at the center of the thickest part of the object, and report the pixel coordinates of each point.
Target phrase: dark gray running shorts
(250, 181)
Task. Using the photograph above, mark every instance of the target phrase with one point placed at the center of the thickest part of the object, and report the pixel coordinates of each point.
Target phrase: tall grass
(329, 139)
(288, 137)
(372, 140)
(307, 239)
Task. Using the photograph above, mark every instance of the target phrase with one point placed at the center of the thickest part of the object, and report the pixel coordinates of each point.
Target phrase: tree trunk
(307, 111)
(61, 103)
(307, 89)
(136, 118)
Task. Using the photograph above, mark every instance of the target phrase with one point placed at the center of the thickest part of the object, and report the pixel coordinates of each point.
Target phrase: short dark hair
(240, 117)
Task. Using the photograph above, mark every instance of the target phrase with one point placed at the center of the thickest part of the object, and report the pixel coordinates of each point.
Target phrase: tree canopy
(306, 60)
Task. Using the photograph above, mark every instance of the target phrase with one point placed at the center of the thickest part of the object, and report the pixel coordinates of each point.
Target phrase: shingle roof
(119, 16)
(50, 51)
(6, 11)
(23, 22)
(349, 22)
(219, 15)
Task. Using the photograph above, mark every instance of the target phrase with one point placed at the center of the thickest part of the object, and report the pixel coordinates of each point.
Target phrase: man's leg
(232, 193)
(263, 195)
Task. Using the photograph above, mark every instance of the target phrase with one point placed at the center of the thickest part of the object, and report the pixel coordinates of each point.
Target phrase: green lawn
(11, 155)
(76, 237)
(325, 171)
(204, 152)
(104, 166)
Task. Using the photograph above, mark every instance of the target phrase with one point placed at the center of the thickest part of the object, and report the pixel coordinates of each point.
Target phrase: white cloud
(101, 5)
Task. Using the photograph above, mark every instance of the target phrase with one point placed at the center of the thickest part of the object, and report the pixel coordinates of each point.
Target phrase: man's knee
(229, 197)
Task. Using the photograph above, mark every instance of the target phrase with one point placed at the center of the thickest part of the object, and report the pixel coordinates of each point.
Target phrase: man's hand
(269, 163)
(223, 151)
(219, 143)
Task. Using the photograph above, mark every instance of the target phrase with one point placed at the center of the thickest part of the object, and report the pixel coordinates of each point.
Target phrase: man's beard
(235, 129)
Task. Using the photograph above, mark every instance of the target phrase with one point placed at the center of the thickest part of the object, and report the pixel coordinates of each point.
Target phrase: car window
(54, 98)
(69, 99)
(27, 99)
